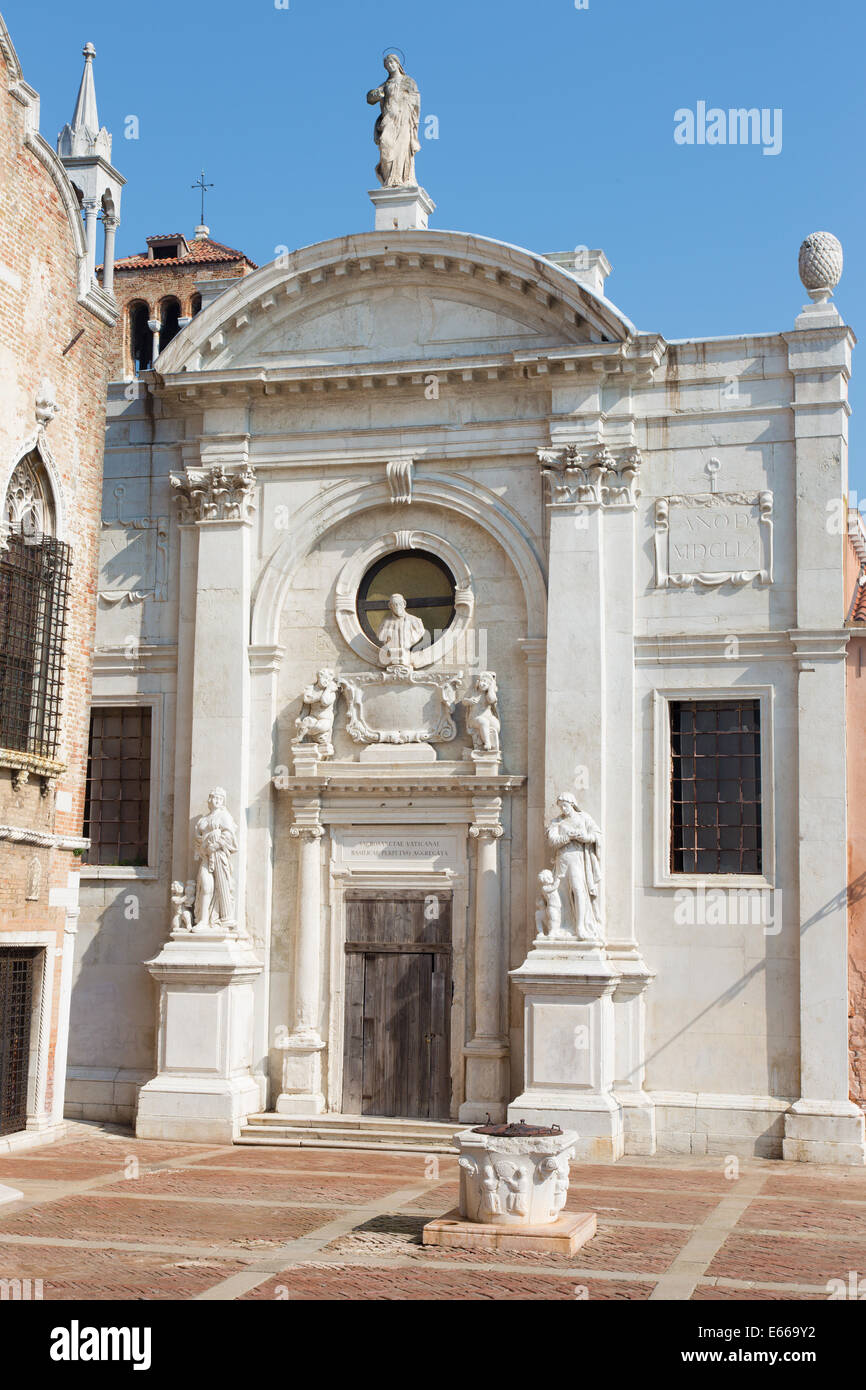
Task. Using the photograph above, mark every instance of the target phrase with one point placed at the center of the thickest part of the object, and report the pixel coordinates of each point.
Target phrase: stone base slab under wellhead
(560, 1237)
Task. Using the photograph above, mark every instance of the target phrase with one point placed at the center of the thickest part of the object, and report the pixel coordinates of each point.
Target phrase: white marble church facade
(623, 527)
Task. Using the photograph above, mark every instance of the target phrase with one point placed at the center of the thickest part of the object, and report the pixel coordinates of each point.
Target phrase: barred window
(34, 594)
(117, 794)
(715, 786)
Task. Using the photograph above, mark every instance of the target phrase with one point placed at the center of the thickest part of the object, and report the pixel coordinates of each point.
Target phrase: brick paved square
(208, 1213)
(151, 1222)
(75, 1273)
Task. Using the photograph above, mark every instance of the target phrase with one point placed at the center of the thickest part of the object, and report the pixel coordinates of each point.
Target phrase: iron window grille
(715, 786)
(34, 599)
(16, 1013)
(117, 793)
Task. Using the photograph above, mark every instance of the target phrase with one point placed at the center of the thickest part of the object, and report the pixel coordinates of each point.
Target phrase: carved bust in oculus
(399, 633)
(482, 714)
(396, 131)
(315, 724)
(216, 840)
(576, 841)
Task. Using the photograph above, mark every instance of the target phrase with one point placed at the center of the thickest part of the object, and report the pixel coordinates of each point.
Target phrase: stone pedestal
(824, 1132)
(401, 209)
(204, 1088)
(569, 1061)
(629, 1012)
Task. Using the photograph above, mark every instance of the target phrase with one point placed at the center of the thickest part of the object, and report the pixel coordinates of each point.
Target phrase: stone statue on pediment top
(396, 131)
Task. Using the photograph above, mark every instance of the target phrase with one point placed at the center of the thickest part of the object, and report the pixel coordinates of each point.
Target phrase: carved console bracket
(399, 474)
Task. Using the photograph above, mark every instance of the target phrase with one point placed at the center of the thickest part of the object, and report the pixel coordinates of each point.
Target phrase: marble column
(91, 211)
(302, 1051)
(486, 1055)
(110, 224)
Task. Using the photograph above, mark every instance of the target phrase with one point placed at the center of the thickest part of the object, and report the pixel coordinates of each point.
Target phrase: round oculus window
(423, 581)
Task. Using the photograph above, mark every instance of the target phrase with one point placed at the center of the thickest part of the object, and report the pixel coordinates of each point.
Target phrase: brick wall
(151, 286)
(46, 333)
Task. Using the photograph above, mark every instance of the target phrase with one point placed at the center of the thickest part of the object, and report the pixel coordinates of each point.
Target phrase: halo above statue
(398, 53)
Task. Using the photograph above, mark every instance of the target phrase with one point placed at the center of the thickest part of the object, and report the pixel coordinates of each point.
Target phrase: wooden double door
(398, 1005)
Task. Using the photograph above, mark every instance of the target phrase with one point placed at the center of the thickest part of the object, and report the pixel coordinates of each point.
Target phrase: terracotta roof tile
(203, 251)
(858, 611)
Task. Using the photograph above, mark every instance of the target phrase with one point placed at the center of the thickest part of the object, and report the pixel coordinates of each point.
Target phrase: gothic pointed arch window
(34, 590)
(29, 509)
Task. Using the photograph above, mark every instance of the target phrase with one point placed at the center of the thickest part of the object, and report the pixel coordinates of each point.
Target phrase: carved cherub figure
(548, 907)
(482, 714)
(181, 916)
(315, 723)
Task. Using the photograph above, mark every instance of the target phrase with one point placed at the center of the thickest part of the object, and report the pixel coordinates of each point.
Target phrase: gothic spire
(84, 136)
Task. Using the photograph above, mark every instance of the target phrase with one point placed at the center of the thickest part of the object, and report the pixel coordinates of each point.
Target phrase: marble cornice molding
(534, 650)
(400, 785)
(42, 839)
(476, 267)
(132, 658)
(813, 645)
(267, 657)
(539, 369)
(714, 648)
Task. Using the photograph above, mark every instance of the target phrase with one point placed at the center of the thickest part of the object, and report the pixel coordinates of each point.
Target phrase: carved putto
(216, 840)
(570, 897)
(482, 714)
(181, 916)
(396, 131)
(315, 723)
(214, 493)
(548, 906)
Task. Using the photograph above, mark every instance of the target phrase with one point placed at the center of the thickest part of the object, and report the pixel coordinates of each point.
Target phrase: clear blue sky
(555, 130)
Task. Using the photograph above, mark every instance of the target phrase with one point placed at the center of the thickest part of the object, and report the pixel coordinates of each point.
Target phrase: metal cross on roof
(200, 183)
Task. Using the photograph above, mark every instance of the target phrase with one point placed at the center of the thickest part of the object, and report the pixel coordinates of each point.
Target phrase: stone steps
(350, 1132)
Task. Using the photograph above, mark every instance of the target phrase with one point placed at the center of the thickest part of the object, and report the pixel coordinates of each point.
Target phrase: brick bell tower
(159, 290)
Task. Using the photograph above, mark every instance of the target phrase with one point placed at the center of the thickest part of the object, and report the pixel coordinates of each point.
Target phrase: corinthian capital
(214, 493)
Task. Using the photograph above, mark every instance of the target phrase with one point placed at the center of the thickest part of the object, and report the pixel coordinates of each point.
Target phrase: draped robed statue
(570, 897)
(396, 131)
(216, 840)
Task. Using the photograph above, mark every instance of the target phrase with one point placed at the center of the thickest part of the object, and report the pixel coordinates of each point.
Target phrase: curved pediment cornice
(294, 316)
